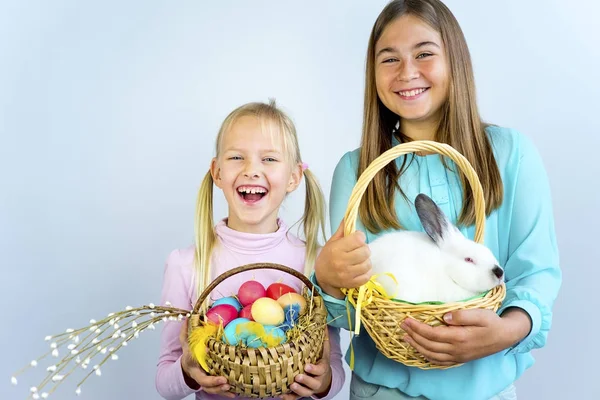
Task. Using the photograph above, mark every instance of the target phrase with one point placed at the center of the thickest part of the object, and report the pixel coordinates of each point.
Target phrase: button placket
(439, 185)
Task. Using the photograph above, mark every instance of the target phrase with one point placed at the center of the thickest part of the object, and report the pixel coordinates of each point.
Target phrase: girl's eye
(270, 159)
(423, 55)
(469, 260)
(389, 60)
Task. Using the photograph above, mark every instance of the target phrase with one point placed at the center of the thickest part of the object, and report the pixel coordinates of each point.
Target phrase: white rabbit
(439, 265)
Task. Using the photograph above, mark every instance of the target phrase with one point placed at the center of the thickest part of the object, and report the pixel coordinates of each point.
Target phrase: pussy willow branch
(127, 324)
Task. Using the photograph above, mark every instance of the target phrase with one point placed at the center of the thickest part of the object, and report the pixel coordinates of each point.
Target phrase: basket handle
(363, 181)
(419, 145)
(248, 267)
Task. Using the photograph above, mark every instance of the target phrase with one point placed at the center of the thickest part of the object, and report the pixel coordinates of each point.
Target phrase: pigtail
(204, 230)
(313, 219)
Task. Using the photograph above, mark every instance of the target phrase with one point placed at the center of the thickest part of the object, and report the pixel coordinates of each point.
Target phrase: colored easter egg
(292, 313)
(276, 290)
(267, 311)
(247, 312)
(222, 314)
(228, 300)
(292, 298)
(250, 291)
(230, 335)
(276, 334)
(254, 342)
(250, 333)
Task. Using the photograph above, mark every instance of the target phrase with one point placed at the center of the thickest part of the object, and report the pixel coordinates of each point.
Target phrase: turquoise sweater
(521, 235)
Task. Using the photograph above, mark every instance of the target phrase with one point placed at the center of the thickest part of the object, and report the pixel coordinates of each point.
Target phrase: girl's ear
(215, 172)
(295, 178)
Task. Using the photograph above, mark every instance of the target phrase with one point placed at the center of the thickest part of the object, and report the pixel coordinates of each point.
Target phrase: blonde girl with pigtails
(256, 165)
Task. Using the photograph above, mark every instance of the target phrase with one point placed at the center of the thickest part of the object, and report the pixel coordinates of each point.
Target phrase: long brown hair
(313, 219)
(460, 125)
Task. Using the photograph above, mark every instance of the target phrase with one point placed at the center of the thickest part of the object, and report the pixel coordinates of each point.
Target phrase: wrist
(517, 325)
(189, 381)
(330, 290)
(325, 391)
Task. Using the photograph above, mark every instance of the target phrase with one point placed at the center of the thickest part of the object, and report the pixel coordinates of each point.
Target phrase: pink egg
(247, 312)
(222, 314)
(250, 291)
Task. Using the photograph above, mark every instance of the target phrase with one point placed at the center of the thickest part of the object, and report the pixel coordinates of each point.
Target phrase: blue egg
(228, 300)
(277, 332)
(254, 342)
(230, 334)
(292, 313)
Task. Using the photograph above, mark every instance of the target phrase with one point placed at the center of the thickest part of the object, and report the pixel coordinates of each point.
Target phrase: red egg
(247, 312)
(250, 291)
(222, 313)
(276, 290)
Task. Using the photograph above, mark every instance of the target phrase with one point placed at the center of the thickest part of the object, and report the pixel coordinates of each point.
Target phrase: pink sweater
(234, 249)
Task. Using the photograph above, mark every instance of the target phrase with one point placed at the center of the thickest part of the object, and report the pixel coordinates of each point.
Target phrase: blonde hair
(460, 126)
(313, 219)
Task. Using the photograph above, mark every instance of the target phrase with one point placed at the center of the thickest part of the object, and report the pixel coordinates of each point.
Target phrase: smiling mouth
(252, 194)
(411, 94)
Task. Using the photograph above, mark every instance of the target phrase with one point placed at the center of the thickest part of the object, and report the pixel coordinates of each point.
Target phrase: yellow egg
(267, 311)
(292, 298)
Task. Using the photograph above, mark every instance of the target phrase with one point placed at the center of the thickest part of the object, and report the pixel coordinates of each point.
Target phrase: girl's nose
(407, 71)
(251, 170)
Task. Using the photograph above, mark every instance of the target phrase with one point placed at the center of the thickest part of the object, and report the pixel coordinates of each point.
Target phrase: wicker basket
(265, 372)
(381, 316)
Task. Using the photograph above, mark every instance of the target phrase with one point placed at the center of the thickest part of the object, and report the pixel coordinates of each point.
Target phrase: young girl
(257, 164)
(420, 86)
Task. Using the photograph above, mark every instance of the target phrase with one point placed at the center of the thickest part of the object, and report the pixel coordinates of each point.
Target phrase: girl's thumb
(339, 233)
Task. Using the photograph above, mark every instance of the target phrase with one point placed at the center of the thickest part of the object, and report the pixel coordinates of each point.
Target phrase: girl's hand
(195, 376)
(317, 380)
(471, 334)
(343, 262)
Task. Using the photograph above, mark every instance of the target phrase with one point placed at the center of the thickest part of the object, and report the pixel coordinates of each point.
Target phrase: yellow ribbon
(364, 298)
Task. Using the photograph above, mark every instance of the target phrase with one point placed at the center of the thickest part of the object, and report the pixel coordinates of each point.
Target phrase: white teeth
(412, 93)
(251, 190)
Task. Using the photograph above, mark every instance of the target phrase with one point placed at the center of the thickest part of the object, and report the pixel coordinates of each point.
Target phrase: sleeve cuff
(327, 298)
(529, 342)
(184, 388)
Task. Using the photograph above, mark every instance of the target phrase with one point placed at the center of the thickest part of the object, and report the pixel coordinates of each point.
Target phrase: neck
(419, 130)
(269, 225)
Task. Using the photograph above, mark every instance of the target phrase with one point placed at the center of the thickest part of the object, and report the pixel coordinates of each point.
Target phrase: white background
(108, 114)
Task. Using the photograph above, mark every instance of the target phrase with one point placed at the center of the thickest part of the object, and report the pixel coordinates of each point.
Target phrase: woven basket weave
(265, 372)
(382, 317)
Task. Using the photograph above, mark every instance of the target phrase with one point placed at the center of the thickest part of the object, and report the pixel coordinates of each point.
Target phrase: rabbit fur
(440, 264)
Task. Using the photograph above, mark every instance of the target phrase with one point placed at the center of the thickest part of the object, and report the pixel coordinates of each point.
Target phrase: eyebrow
(416, 46)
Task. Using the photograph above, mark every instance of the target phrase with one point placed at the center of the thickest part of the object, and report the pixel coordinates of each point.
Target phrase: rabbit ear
(432, 218)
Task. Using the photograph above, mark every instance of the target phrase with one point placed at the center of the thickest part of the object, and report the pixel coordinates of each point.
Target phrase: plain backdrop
(108, 114)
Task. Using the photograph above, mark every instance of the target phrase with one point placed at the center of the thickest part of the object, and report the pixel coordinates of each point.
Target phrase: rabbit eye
(469, 260)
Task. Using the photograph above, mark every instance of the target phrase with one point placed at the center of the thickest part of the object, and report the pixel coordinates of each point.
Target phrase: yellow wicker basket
(381, 316)
(265, 372)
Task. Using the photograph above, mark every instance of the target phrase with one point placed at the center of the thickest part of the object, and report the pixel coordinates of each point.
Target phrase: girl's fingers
(301, 390)
(307, 381)
(436, 358)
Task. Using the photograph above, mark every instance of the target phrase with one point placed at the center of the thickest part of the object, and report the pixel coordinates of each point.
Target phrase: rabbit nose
(497, 271)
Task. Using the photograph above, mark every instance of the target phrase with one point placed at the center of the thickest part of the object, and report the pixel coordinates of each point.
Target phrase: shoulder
(180, 261)
(508, 140)
(346, 170)
(510, 146)
(290, 237)
(348, 162)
